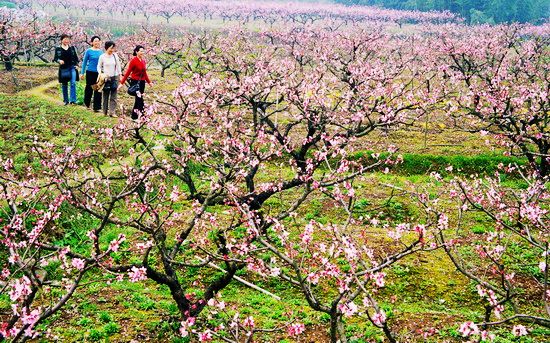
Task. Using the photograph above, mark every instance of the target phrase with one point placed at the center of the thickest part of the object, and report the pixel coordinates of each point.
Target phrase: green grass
(422, 164)
(24, 117)
(79, 92)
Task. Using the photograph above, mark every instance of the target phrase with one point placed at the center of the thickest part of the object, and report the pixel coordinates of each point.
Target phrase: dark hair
(93, 38)
(138, 48)
(109, 44)
(63, 36)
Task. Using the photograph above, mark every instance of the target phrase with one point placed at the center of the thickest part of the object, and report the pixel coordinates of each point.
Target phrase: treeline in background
(473, 11)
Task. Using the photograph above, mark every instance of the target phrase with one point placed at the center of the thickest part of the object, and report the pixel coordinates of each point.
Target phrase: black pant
(139, 104)
(91, 78)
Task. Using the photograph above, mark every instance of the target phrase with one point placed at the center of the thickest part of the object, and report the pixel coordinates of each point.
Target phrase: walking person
(89, 71)
(67, 58)
(137, 74)
(109, 64)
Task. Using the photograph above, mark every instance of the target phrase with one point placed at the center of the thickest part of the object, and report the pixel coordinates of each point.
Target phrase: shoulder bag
(133, 89)
(65, 74)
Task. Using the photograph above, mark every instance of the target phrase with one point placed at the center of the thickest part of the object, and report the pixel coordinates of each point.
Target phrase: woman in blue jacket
(89, 71)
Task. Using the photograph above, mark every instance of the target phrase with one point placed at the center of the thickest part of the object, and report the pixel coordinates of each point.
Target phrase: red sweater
(137, 70)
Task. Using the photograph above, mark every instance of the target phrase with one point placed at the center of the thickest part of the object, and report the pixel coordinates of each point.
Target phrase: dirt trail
(41, 92)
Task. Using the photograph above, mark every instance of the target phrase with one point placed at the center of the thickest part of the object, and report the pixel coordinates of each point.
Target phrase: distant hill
(7, 4)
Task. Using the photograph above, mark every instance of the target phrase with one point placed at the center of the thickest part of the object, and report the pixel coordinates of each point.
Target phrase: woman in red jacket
(137, 73)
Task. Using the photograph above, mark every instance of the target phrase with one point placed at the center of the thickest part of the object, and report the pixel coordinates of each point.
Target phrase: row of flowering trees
(244, 11)
(498, 84)
(216, 177)
(30, 36)
(27, 35)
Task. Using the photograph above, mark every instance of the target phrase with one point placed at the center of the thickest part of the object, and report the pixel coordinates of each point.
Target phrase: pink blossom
(498, 310)
(296, 329)
(519, 330)
(144, 246)
(492, 298)
(420, 229)
(185, 325)
(20, 288)
(78, 263)
(443, 222)
(5, 273)
(205, 336)
(348, 309)
(313, 278)
(191, 321)
(114, 245)
(306, 236)
(486, 336)
(14, 257)
(221, 305)
(379, 318)
(379, 279)
(275, 271)
(249, 322)
(91, 235)
(367, 302)
(398, 232)
(137, 274)
(183, 332)
(30, 318)
(468, 329)
(175, 195)
(532, 212)
(8, 164)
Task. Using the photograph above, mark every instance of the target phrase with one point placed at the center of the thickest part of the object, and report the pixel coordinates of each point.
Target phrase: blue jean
(65, 90)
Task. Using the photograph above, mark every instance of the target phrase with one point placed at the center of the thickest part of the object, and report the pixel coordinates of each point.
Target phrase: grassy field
(428, 289)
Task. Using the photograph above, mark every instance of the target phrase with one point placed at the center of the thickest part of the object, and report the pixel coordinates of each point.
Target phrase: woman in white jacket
(109, 64)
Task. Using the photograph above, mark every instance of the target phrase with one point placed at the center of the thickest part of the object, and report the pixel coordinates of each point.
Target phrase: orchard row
(245, 11)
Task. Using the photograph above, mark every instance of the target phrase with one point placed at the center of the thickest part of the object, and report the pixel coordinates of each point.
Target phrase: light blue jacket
(91, 57)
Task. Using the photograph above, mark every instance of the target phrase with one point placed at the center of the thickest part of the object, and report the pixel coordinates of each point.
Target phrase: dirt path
(41, 92)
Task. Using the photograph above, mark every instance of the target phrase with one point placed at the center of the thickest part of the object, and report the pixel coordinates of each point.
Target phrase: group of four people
(101, 67)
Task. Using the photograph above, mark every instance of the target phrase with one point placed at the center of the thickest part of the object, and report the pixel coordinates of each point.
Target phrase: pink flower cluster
(137, 274)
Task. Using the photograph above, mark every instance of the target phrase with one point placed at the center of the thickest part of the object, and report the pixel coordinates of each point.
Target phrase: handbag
(65, 75)
(133, 89)
(99, 82)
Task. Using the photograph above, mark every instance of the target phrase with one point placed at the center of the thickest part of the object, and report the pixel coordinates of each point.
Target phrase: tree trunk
(337, 331)
(8, 65)
(544, 165)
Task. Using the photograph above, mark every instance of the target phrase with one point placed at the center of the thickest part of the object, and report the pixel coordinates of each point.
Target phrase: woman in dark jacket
(67, 58)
